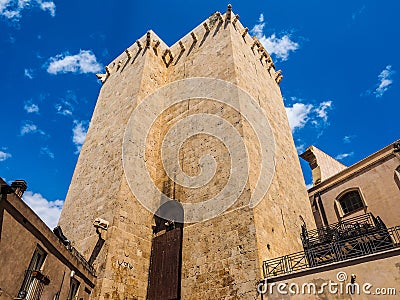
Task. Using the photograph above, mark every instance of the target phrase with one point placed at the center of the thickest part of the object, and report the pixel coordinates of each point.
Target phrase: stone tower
(173, 128)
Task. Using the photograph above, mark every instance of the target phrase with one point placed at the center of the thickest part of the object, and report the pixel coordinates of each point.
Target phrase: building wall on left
(22, 232)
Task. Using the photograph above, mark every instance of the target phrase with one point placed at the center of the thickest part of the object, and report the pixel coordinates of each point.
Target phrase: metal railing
(342, 230)
(63, 239)
(82, 260)
(365, 243)
(32, 287)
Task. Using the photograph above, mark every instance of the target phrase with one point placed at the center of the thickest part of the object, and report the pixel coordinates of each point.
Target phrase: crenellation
(194, 37)
(129, 53)
(264, 55)
(245, 31)
(235, 19)
(102, 77)
(108, 70)
(219, 17)
(182, 46)
(156, 44)
(167, 52)
(279, 79)
(168, 57)
(206, 27)
(278, 76)
(139, 44)
(270, 64)
(229, 13)
(148, 39)
(256, 42)
(119, 65)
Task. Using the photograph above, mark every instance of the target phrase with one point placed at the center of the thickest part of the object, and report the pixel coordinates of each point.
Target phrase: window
(73, 289)
(351, 202)
(37, 259)
(34, 280)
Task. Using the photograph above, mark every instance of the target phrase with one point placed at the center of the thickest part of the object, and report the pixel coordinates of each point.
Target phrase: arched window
(351, 202)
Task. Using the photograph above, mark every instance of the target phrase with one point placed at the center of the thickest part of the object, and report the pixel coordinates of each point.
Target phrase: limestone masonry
(219, 258)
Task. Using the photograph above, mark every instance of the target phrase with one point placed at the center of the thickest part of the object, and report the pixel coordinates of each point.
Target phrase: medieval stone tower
(190, 157)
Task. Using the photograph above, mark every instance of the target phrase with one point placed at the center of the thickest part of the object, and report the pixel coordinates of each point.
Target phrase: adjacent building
(34, 262)
(371, 185)
(356, 245)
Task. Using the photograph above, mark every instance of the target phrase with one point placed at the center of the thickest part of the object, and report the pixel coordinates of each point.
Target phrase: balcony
(33, 285)
(355, 237)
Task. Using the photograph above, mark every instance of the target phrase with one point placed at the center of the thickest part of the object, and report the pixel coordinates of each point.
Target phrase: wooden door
(165, 265)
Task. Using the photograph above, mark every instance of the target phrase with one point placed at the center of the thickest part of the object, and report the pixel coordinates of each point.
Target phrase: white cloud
(300, 148)
(4, 155)
(28, 72)
(29, 127)
(66, 105)
(385, 81)
(64, 108)
(49, 6)
(46, 151)
(31, 108)
(12, 9)
(48, 211)
(278, 46)
(344, 155)
(298, 115)
(347, 139)
(79, 134)
(83, 62)
(322, 110)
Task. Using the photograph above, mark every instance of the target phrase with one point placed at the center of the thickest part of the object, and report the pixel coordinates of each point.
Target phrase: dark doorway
(166, 253)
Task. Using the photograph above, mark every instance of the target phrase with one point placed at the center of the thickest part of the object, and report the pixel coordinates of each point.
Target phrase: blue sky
(339, 59)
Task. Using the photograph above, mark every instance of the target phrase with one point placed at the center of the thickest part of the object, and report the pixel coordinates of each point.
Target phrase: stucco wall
(21, 233)
(375, 178)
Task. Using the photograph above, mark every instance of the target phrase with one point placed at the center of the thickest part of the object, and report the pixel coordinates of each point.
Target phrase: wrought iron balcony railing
(335, 249)
(32, 287)
(342, 230)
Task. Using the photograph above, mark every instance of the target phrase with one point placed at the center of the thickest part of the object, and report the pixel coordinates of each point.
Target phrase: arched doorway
(166, 253)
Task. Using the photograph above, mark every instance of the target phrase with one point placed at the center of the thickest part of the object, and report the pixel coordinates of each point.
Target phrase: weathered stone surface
(221, 257)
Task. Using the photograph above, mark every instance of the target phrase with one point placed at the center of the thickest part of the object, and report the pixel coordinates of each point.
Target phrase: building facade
(35, 264)
(355, 251)
(372, 185)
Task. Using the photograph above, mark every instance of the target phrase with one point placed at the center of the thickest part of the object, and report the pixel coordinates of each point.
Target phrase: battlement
(171, 55)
